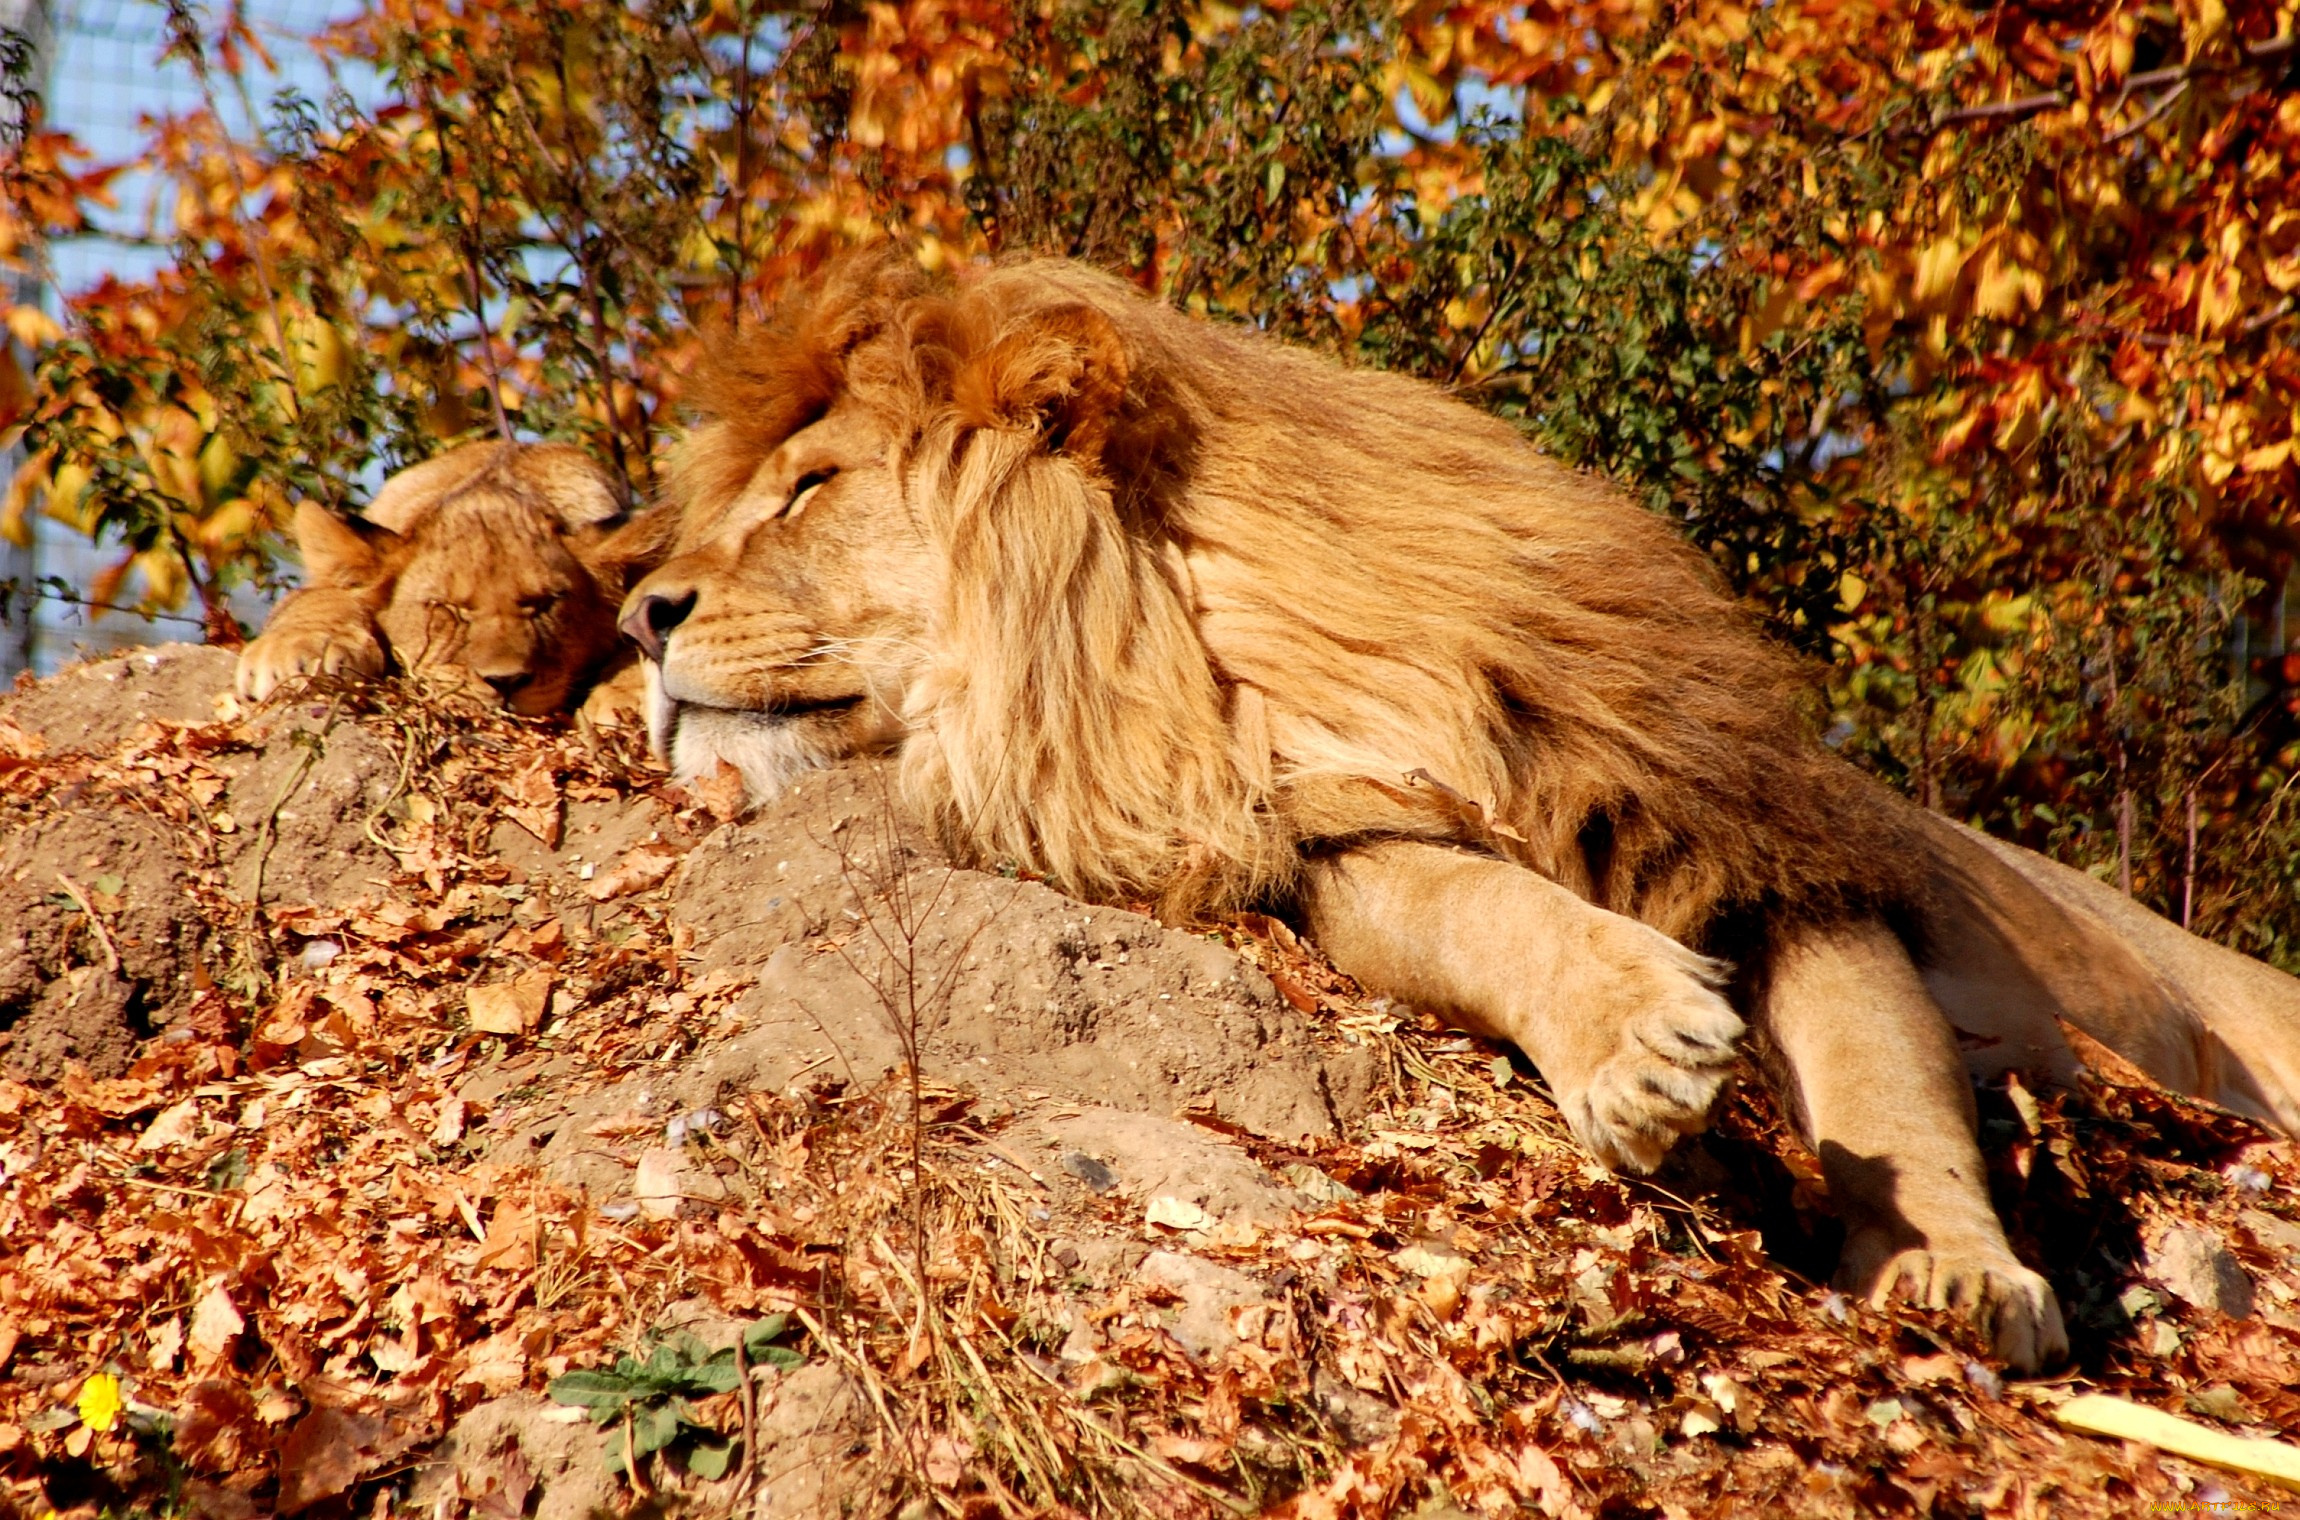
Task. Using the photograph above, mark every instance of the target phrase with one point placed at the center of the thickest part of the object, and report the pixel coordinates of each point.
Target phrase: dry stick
(2255, 54)
(750, 1425)
(2140, 123)
(187, 42)
(744, 107)
(103, 935)
(2188, 870)
(466, 237)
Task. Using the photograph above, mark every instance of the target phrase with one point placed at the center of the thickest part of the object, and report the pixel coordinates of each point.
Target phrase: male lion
(503, 562)
(1161, 609)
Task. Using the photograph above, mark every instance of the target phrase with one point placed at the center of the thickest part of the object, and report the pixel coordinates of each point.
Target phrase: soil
(372, 1065)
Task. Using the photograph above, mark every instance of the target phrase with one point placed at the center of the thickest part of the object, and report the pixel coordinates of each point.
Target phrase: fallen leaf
(535, 803)
(216, 1326)
(723, 793)
(1177, 1214)
(179, 1125)
(510, 1008)
(643, 866)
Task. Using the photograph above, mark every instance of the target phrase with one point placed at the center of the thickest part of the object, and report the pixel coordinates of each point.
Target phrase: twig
(103, 935)
(639, 1483)
(750, 1426)
(2163, 103)
(2255, 54)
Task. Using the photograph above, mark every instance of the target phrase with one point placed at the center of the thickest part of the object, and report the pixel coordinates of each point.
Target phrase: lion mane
(1208, 600)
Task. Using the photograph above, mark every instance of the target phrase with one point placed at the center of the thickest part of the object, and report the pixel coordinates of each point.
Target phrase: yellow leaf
(1938, 266)
(2219, 297)
(2263, 461)
(32, 327)
(100, 1402)
(2001, 286)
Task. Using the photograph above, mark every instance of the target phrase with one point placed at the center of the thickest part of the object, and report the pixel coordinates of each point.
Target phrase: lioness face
(496, 591)
(785, 630)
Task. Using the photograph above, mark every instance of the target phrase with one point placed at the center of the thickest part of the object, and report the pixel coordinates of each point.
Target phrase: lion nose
(650, 623)
(509, 686)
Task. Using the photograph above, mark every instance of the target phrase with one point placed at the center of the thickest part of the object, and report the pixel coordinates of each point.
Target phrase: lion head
(1149, 605)
(500, 562)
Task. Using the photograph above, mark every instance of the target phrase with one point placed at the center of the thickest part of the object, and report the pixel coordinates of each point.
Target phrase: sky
(106, 82)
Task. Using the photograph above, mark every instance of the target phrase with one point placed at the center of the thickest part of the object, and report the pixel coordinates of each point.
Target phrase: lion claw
(2013, 1308)
(1674, 1050)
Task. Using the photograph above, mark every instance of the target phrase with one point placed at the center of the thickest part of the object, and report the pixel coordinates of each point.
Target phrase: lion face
(498, 565)
(786, 631)
(493, 591)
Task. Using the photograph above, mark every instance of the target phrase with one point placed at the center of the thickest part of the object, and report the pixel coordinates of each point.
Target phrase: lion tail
(2017, 949)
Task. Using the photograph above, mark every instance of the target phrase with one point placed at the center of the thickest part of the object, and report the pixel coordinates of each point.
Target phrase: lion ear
(342, 551)
(1060, 372)
(573, 485)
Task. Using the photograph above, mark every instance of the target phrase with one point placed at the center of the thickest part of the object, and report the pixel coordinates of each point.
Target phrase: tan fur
(499, 564)
(1169, 612)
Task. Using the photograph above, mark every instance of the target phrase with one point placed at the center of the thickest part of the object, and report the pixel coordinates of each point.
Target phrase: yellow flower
(100, 1402)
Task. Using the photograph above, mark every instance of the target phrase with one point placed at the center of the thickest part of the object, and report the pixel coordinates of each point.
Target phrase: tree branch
(2256, 54)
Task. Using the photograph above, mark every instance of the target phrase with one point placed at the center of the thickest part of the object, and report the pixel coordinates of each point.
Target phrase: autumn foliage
(1962, 337)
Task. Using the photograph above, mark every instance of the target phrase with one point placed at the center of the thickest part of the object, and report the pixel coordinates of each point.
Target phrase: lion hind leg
(2029, 935)
(1867, 1064)
(1626, 1025)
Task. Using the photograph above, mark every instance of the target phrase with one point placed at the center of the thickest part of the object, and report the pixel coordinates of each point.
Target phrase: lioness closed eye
(500, 562)
(1159, 608)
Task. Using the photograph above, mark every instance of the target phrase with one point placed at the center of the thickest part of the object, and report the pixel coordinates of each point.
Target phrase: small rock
(1357, 1417)
(2198, 1268)
(1090, 1171)
(1208, 1293)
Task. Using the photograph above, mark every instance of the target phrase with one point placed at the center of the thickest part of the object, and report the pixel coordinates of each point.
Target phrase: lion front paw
(2013, 1308)
(1669, 1049)
(282, 655)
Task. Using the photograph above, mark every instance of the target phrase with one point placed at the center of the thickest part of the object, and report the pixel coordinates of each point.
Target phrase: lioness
(1159, 608)
(504, 562)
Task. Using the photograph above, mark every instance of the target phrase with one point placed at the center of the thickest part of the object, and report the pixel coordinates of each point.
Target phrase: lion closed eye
(1161, 609)
(500, 565)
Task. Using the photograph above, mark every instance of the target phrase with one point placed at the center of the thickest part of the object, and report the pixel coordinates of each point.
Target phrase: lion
(498, 564)
(1164, 610)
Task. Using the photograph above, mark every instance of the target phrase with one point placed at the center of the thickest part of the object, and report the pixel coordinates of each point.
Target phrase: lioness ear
(577, 490)
(1060, 371)
(342, 551)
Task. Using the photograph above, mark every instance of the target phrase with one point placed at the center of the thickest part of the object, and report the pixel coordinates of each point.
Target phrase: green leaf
(654, 1427)
(763, 1334)
(710, 1462)
(592, 1389)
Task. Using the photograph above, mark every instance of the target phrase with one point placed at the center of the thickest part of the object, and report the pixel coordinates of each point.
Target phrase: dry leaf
(534, 801)
(643, 866)
(179, 1125)
(216, 1325)
(723, 793)
(1177, 1214)
(510, 1008)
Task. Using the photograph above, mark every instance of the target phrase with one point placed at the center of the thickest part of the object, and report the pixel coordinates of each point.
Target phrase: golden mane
(1207, 600)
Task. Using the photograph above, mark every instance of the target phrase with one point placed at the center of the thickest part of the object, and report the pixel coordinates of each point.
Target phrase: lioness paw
(2012, 1308)
(1674, 1040)
(280, 656)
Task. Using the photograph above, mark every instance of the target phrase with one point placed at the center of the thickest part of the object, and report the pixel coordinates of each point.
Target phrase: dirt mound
(413, 1109)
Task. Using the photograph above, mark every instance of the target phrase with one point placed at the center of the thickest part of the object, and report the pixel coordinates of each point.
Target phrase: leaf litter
(301, 1251)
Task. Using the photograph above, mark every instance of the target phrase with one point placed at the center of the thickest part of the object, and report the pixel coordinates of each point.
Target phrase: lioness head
(505, 562)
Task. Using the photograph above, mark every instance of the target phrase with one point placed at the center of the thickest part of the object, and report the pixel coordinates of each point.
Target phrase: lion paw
(2013, 1308)
(282, 655)
(1671, 1049)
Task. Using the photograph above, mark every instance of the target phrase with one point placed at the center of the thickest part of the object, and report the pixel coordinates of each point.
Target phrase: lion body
(1169, 612)
(496, 564)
